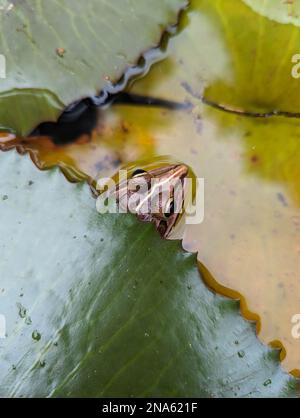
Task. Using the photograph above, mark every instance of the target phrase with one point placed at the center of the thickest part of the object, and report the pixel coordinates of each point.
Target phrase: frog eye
(138, 172)
(169, 208)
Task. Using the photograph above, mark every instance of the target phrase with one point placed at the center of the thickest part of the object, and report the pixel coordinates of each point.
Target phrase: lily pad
(56, 53)
(251, 165)
(258, 77)
(89, 315)
(281, 11)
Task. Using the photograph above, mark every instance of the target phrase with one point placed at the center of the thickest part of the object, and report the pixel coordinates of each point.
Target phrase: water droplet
(22, 310)
(225, 382)
(268, 382)
(36, 335)
(241, 354)
(42, 363)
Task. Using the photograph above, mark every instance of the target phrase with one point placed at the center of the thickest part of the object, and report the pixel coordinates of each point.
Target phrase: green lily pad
(58, 52)
(87, 314)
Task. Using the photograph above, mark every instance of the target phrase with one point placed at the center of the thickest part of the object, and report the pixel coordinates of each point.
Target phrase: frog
(154, 192)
